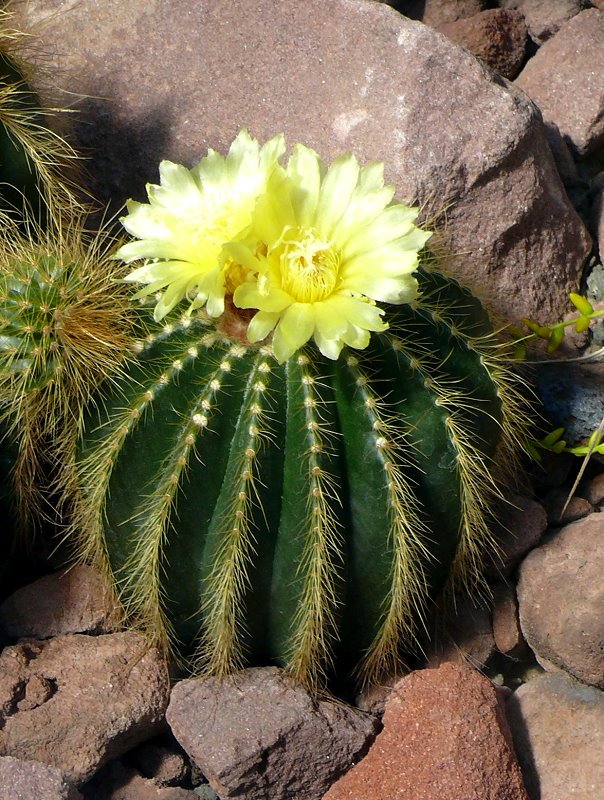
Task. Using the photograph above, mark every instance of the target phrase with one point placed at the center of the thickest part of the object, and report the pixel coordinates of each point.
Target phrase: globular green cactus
(305, 512)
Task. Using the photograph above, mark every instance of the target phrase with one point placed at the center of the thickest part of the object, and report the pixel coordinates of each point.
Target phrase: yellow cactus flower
(189, 217)
(323, 247)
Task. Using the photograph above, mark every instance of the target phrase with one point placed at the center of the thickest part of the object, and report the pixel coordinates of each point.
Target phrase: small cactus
(64, 324)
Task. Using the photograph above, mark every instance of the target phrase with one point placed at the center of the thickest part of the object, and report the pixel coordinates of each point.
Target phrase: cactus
(304, 512)
(34, 160)
(64, 327)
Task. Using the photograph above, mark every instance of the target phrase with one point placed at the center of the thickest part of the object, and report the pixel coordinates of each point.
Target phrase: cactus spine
(306, 512)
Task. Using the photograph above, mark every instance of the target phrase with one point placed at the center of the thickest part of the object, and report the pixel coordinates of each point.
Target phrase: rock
(445, 736)
(71, 601)
(544, 18)
(30, 780)
(558, 730)
(437, 12)
(166, 767)
(159, 82)
(93, 699)
(498, 36)
(574, 508)
(561, 597)
(506, 625)
(573, 397)
(259, 736)
(598, 222)
(465, 636)
(564, 79)
(522, 524)
(593, 490)
(117, 782)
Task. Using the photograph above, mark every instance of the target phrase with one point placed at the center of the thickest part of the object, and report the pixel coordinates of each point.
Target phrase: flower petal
(293, 331)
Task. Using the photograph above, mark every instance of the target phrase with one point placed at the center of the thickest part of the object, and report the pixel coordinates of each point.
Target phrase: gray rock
(544, 18)
(573, 397)
(31, 780)
(564, 79)
(561, 597)
(167, 80)
(75, 702)
(260, 737)
(558, 730)
(71, 601)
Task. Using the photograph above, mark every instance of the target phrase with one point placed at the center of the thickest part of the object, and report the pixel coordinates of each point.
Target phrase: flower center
(309, 266)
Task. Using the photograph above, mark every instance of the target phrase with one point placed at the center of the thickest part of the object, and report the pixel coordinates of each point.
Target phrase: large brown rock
(76, 701)
(558, 730)
(168, 80)
(561, 597)
(72, 601)
(445, 736)
(564, 79)
(259, 736)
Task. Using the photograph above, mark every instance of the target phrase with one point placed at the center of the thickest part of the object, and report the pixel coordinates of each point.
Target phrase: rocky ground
(508, 703)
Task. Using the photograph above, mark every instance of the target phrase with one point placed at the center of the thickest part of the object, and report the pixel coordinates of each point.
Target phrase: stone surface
(544, 18)
(72, 601)
(498, 36)
(437, 12)
(573, 397)
(465, 636)
(523, 523)
(76, 701)
(598, 222)
(506, 625)
(118, 782)
(166, 767)
(445, 736)
(561, 597)
(564, 79)
(562, 510)
(593, 491)
(260, 737)
(31, 780)
(558, 730)
(160, 81)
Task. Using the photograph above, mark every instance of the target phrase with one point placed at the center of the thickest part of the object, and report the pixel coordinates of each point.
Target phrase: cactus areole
(302, 512)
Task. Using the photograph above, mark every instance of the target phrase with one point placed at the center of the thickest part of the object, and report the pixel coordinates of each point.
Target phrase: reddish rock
(544, 18)
(506, 625)
(564, 79)
(558, 730)
(94, 697)
(71, 601)
(497, 36)
(267, 739)
(30, 780)
(561, 597)
(166, 767)
(161, 84)
(445, 736)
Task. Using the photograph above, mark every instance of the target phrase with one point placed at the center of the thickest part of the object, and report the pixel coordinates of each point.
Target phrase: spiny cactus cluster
(292, 474)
